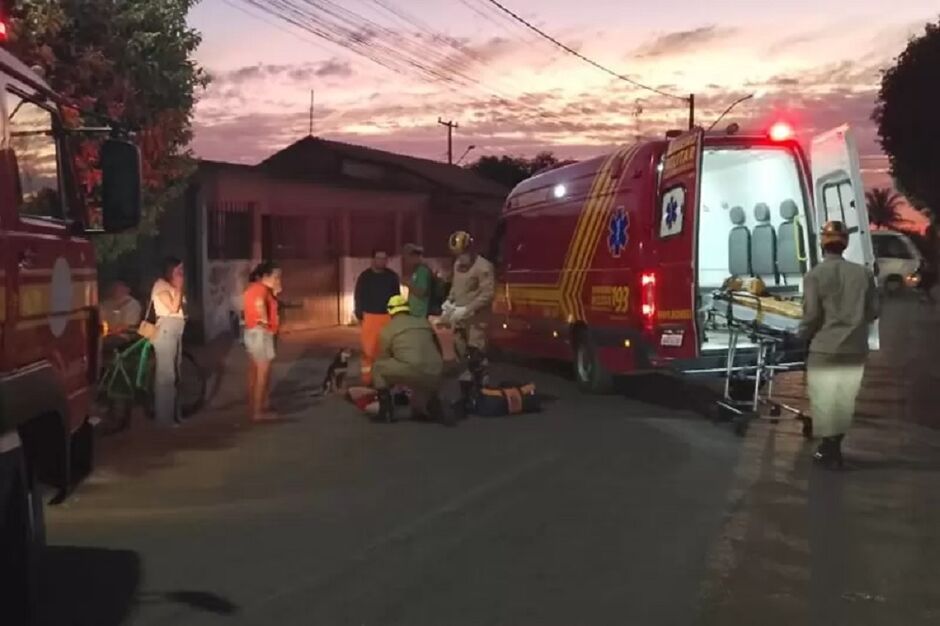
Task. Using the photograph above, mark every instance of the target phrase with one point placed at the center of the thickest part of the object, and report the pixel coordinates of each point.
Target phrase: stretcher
(767, 312)
(770, 325)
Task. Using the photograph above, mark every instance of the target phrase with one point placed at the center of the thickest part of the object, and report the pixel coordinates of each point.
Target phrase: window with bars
(229, 235)
(297, 237)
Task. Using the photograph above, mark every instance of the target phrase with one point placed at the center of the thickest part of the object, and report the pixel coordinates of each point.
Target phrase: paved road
(599, 511)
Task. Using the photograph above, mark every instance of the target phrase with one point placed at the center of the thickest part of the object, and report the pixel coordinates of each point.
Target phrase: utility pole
(451, 125)
(691, 111)
(311, 112)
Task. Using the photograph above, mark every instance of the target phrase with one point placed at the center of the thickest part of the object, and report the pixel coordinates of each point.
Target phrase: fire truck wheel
(591, 375)
(22, 540)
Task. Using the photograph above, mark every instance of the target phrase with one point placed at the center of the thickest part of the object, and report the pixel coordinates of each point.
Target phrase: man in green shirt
(418, 278)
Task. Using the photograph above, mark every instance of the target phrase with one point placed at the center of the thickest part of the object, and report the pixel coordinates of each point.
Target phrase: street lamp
(465, 153)
(728, 110)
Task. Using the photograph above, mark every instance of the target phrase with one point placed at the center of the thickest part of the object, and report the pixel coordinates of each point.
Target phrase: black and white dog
(335, 379)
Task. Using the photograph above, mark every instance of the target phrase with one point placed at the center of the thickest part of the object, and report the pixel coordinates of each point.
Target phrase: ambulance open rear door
(839, 194)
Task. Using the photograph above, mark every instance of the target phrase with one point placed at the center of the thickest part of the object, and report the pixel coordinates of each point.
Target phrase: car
(898, 260)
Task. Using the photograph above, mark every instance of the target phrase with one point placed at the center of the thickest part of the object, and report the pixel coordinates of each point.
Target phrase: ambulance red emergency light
(614, 262)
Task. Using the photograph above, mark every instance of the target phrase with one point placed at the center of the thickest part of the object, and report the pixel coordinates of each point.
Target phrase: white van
(898, 260)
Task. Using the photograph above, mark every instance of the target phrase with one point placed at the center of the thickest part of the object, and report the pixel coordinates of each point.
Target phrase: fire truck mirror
(121, 193)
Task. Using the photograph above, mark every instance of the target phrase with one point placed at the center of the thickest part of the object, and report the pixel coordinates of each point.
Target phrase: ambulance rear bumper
(644, 357)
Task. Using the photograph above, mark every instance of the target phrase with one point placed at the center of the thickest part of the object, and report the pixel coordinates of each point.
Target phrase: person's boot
(466, 403)
(386, 412)
(829, 454)
(837, 451)
(439, 413)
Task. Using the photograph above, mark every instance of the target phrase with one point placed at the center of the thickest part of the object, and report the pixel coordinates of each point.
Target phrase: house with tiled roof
(319, 208)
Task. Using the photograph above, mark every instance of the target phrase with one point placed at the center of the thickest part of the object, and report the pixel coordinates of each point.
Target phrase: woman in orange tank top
(261, 327)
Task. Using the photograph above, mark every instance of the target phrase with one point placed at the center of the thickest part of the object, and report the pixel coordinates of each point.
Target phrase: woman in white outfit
(168, 300)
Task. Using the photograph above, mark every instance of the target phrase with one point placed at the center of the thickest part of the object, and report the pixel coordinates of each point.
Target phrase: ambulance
(620, 263)
(49, 329)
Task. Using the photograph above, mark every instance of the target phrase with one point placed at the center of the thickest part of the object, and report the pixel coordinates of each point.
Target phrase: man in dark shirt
(839, 304)
(374, 287)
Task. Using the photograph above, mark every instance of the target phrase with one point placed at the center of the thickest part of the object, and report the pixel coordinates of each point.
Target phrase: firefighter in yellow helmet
(409, 355)
(467, 310)
(839, 304)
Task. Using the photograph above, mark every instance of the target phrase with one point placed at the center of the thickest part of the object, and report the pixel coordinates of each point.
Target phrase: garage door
(305, 249)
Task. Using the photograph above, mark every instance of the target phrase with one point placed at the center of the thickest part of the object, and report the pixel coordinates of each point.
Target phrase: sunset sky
(814, 62)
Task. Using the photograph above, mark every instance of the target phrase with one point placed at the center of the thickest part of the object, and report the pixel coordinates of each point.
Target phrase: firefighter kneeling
(467, 311)
(410, 356)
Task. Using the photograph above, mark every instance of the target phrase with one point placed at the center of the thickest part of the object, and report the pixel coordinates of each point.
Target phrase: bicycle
(128, 379)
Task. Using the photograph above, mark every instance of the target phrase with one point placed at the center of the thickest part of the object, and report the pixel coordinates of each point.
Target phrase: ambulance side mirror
(121, 185)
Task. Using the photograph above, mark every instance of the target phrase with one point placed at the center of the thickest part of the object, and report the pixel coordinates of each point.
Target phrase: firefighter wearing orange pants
(374, 287)
(467, 311)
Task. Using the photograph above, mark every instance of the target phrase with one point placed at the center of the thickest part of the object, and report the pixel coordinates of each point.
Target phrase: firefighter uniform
(471, 295)
(409, 355)
(840, 301)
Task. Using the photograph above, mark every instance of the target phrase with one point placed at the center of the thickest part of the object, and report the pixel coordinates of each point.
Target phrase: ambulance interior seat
(789, 244)
(739, 264)
(764, 246)
(739, 244)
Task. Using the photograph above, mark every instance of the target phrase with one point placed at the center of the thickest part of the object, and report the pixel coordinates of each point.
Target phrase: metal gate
(305, 248)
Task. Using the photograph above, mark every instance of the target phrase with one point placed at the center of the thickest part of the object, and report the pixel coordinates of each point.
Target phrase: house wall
(224, 283)
(363, 219)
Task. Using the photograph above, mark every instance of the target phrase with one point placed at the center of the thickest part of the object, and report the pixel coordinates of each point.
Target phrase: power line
(574, 52)
(407, 56)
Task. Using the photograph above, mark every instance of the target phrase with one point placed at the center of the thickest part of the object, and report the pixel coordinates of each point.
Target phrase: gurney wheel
(740, 425)
(807, 426)
(774, 411)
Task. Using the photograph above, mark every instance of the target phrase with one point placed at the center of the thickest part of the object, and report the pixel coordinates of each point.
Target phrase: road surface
(601, 510)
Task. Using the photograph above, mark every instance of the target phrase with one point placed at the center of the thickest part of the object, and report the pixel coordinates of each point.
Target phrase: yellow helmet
(834, 232)
(460, 242)
(398, 304)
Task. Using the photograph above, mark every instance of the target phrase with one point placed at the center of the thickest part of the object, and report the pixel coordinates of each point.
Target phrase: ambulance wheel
(591, 375)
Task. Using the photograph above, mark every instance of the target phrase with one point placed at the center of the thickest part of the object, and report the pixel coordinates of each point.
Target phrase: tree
(909, 125)
(883, 207)
(510, 171)
(126, 60)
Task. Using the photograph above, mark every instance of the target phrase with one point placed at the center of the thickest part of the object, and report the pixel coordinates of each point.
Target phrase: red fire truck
(49, 330)
(618, 263)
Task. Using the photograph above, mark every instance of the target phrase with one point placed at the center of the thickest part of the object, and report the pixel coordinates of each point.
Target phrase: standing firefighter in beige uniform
(839, 305)
(467, 310)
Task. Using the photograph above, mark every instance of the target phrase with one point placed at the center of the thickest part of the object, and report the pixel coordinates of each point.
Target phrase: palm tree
(883, 207)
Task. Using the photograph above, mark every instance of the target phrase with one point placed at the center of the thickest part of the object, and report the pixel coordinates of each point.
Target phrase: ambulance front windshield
(752, 218)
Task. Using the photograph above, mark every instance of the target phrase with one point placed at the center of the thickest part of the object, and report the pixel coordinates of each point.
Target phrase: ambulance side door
(674, 240)
(839, 194)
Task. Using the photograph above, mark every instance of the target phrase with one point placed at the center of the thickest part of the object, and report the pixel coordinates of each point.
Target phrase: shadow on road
(296, 390)
(198, 600)
(88, 586)
(99, 587)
